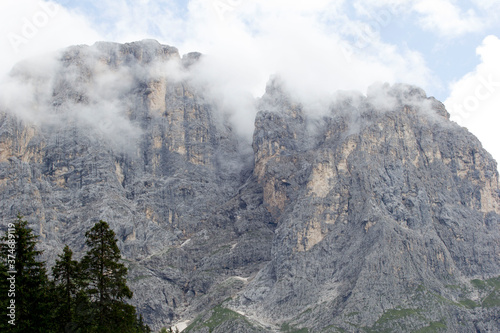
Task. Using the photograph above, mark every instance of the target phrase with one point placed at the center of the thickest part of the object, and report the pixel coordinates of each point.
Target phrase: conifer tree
(4, 297)
(105, 280)
(83, 297)
(32, 292)
(66, 274)
(141, 327)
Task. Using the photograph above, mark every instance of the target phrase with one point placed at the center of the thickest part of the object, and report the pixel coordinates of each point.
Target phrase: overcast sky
(451, 48)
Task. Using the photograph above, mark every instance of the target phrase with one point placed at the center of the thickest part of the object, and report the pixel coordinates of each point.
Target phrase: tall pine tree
(4, 297)
(32, 292)
(83, 297)
(67, 279)
(105, 281)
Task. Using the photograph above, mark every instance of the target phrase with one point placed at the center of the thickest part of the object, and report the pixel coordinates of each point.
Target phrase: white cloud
(315, 46)
(296, 44)
(131, 20)
(487, 4)
(447, 18)
(266, 36)
(31, 28)
(475, 99)
(41, 93)
(246, 42)
(250, 42)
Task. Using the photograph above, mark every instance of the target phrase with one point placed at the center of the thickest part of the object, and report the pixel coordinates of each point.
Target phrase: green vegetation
(105, 282)
(67, 280)
(397, 320)
(492, 299)
(490, 290)
(494, 282)
(394, 314)
(444, 300)
(468, 303)
(290, 329)
(479, 284)
(86, 297)
(333, 329)
(31, 296)
(390, 321)
(435, 326)
(219, 315)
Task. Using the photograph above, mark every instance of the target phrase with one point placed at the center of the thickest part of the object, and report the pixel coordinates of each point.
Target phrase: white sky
(451, 48)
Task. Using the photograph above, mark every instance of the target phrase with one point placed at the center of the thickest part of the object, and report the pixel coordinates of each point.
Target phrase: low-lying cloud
(316, 48)
(49, 91)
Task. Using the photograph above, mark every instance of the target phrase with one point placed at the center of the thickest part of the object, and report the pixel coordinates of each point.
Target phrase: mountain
(376, 214)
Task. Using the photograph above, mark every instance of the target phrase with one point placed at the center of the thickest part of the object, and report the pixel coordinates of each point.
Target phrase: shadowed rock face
(377, 215)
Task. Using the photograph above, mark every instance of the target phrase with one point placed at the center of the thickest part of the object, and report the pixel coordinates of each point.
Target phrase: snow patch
(181, 326)
(244, 279)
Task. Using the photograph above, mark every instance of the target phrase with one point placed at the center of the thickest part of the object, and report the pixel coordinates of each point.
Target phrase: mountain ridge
(377, 214)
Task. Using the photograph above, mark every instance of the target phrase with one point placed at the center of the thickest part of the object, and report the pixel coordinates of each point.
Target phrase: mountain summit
(375, 214)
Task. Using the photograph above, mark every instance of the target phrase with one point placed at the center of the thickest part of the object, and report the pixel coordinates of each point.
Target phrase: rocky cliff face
(379, 212)
(377, 215)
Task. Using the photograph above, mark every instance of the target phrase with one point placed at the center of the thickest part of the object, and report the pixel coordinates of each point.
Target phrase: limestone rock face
(124, 138)
(376, 214)
(377, 211)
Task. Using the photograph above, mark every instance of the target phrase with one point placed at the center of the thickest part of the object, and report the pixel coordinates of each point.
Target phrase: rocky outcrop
(127, 139)
(378, 214)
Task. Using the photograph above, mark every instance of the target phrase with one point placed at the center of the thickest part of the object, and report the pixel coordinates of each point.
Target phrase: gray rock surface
(377, 215)
(378, 211)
